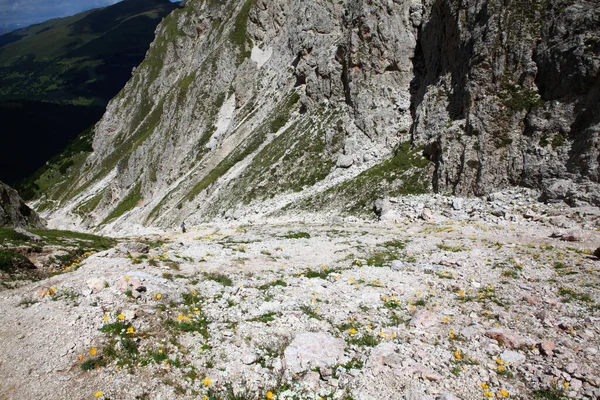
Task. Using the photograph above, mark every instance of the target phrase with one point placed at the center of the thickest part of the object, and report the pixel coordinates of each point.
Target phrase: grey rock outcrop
(249, 108)
(14, 212)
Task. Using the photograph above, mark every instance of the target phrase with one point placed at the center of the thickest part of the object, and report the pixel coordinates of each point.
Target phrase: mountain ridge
(367, 101)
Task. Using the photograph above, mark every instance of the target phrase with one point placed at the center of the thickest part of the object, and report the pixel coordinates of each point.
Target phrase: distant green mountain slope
(84, 59)
(57, 77)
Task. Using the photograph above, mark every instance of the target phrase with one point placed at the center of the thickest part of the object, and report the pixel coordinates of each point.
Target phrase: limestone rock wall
(249, 108)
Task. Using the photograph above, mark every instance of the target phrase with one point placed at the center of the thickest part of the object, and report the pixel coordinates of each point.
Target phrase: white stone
(310, 350)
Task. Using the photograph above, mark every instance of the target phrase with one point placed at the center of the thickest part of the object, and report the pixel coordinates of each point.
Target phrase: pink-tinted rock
(546, 348)
(423, 319)
(576, 235)
(382, 356)
(310, 350)
(508, 338)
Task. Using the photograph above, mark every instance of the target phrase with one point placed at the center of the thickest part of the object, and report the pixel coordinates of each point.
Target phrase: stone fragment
(248, 357)
(129, 315)
(344, 161)
(457, 203)
(427, 215)
(96, 285)
(128, 283)
(571, 368)
(448, 396)
(310, 350)
(546, 347)
(133, 247)
(576, 384)
(423, 319)
(397, 265)
(382, 356)
(512, 357)
(530, 214)
(576, 235)
(508, 338)
(33, 237)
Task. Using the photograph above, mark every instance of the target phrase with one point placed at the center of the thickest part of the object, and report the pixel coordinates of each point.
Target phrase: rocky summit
(243, 110)
(383, 200)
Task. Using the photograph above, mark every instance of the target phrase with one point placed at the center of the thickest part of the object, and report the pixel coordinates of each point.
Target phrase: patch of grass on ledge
(127, 204)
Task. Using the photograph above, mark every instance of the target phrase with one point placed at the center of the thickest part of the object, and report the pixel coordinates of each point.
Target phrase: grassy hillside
(84, 59)
(56, 78)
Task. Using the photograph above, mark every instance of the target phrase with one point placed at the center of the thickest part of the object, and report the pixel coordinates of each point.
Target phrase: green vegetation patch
(246, 148)
(297, 235)
(127, 204)
(519, 98)
(59, 169)
(278, 282)
(239, 35)
(299, 157)
(11, 261)
(79, 240)
(219, 278)
(407, 173)
(386, 253)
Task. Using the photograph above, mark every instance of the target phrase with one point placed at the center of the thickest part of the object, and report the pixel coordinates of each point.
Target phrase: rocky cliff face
(246, 109)
(14, 212)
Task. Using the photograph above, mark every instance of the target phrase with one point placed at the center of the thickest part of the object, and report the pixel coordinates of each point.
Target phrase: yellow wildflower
(127, 279)
(106, 317)
(205, 397)
(566, 384)
(484, 386)
(121, 317)
(93, 351)
(269, 395)
(503, 393)
(500, 367)
(130, 329)
(457, 354)
(98, 394)
(352, 331)
(207, 382)
(158, 296)
(461, 293)
(487, 393)
(180, 317)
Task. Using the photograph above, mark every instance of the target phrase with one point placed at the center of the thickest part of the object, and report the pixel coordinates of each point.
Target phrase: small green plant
(323, 273)
(366, 339)
(551, 393)
(268, 317)
(93, 363)
(310, 311)
(297, 235)
(278, 282)
(454, 249)
(219, 278)
(27, 302)
(572, 294)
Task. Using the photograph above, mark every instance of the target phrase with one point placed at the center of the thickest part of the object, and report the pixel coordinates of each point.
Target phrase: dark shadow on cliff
(441, 51)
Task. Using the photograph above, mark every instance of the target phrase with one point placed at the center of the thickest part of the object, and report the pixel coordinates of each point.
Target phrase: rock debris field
(442, 299)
